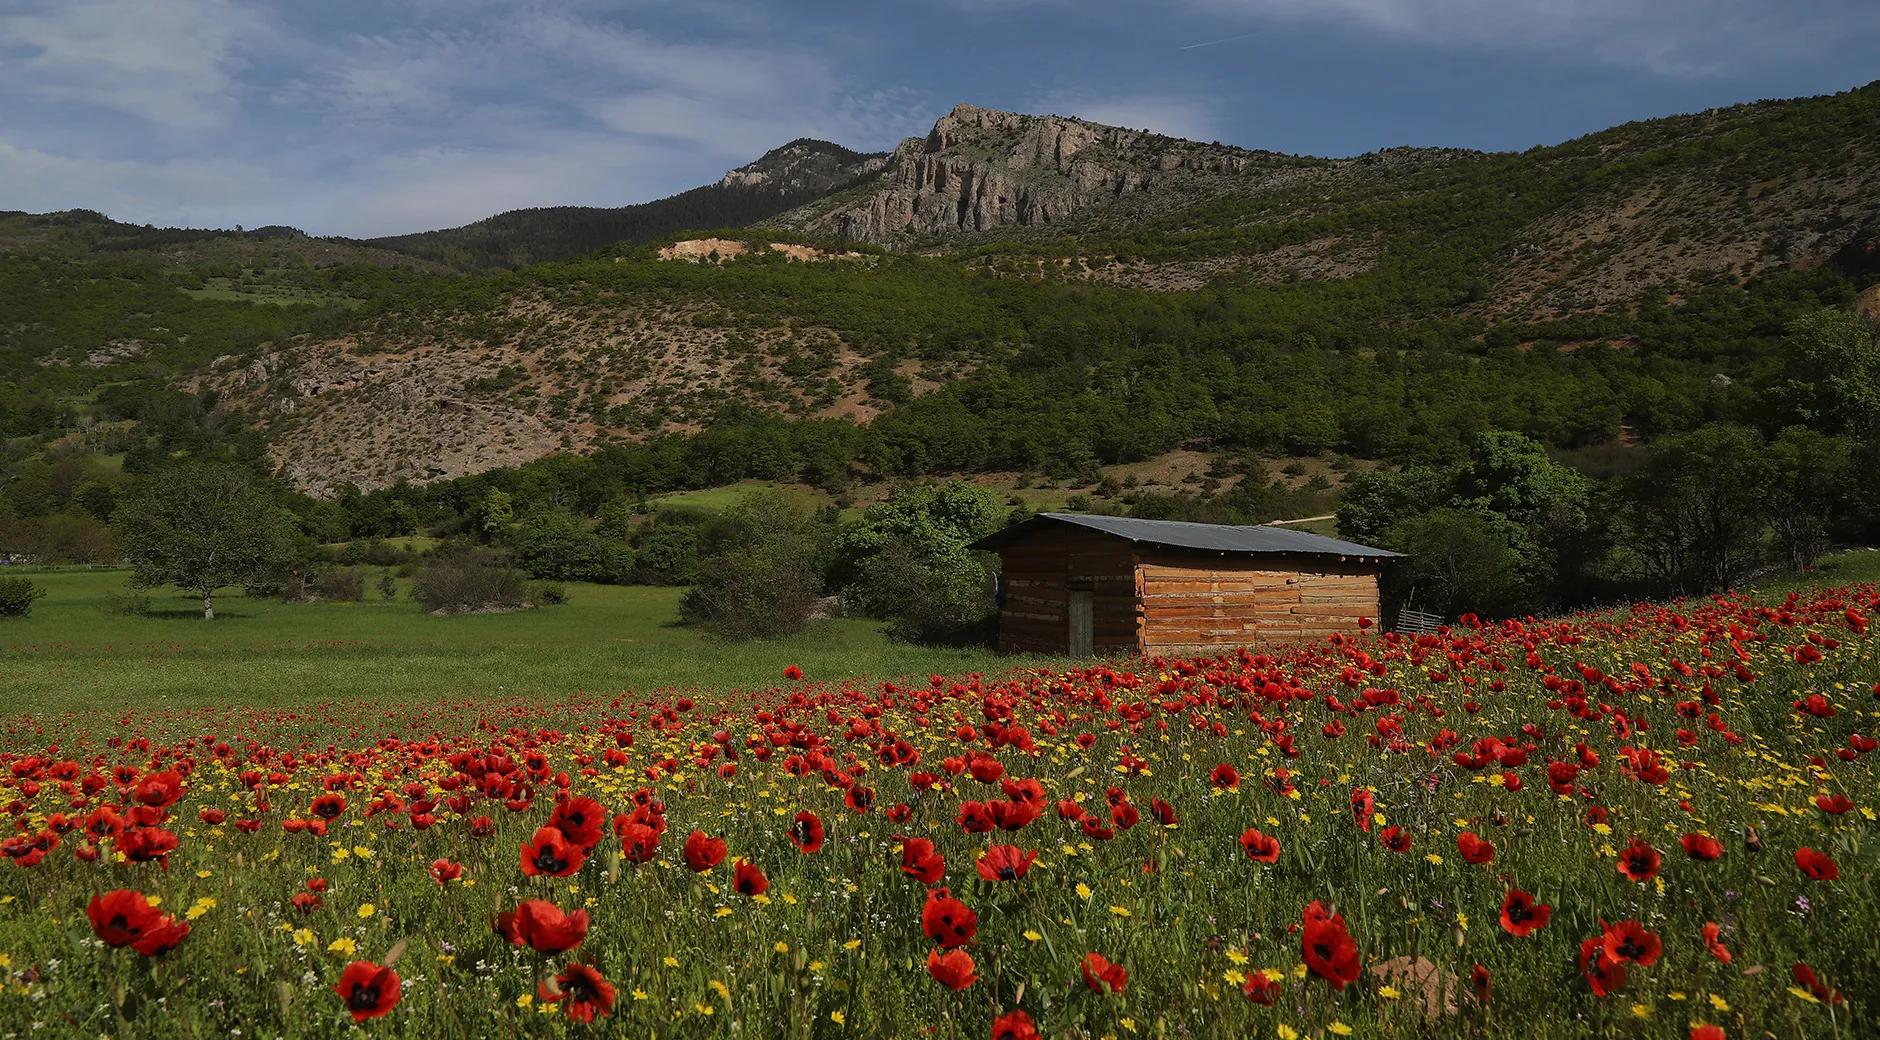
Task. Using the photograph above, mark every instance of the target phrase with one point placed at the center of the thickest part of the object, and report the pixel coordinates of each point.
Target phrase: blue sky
(363, 118)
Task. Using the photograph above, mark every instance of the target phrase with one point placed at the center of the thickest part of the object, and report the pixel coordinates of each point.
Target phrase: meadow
(77, 650)
(1657, 821)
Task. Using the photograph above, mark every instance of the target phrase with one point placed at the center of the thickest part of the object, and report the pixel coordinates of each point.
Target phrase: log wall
(1204, 602)
(1038, 574)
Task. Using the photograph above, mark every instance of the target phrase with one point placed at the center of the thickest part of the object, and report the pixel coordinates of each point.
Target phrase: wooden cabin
(1082, 585)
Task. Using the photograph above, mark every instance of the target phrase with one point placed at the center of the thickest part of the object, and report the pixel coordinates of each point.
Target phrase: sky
(375, 117)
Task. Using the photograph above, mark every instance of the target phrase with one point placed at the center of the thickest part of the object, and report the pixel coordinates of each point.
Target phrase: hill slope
(783, 178)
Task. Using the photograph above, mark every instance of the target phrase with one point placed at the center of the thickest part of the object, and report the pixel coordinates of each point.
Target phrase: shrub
(468, 582)
(130, 602)
(388, 585)
(548, 594)
(761, 569)
(17, 596)
(345, 584)
(558, 545)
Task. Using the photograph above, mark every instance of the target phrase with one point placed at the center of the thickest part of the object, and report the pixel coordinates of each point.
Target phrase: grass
(76, 651)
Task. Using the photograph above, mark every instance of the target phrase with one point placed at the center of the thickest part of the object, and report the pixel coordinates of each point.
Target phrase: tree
(558, 545)
(1458, 562)
(906, 560)
(202, 526)
(1697, 510)
(1835, 355)
(761, 568)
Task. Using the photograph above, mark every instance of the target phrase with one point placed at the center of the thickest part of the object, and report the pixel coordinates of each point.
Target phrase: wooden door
(1083, 623)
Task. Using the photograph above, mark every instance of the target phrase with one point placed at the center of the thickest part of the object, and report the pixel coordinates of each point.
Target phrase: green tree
(202, 526)
(1459, 561)
(906, 560)
(1697, 511)
(761, 568)
(1835, 357)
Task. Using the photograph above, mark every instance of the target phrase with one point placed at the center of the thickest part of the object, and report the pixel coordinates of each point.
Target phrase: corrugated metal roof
(1181, 534)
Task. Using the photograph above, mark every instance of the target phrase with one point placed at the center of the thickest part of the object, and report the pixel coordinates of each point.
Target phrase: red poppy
(582, 991)
(549, 853)
(1521, 916)
(1016, 814)
(1806, 978)
(1707, 1032)
(1817, 866)
(1224, 776)
(1259, 847)
(543, 927)
(1329, 951)
(1603, 975)
(1473, 848)
(1833, 804)
(920, 862)
(368, 990)
(1639, 861)
(792, 673)
(1482, 982)
(443, 870)
(806, 832)
(121, 917)
(1631, 941)
(160, 790)
(976, 817)
(581, 821)
(1005, 863)
(1700, 846)
(1015, 1025)
(1261, 989)
(1395, 838)
(167, 935)
(1363, 805)
(702, 853)
(1713, 942)
(328, 806)
(1102, 976)
(639, 843)
(748, 879)
(1163, 812)
(953, 969)
(946, 920)
(144, 844)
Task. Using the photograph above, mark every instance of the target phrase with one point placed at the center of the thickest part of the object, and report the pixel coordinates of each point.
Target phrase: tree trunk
(208, 604)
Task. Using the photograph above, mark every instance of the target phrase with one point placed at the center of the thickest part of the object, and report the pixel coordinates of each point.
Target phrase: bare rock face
(980, 169)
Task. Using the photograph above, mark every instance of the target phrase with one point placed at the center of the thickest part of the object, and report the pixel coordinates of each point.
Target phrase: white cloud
(174, 63)
(1668, 37)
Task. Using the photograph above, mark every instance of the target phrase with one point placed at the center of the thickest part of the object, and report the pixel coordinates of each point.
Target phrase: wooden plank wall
(1198, 602)
(1039, 573)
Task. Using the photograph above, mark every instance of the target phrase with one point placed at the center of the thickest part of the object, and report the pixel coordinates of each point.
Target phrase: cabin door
(1083, 624)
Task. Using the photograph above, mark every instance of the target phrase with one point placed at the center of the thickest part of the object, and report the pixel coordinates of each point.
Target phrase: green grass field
(76, 651)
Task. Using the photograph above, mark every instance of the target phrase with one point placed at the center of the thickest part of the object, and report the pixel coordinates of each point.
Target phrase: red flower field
(1658, 822)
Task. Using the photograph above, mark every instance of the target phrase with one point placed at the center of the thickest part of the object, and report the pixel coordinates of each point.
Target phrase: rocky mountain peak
(804, 165)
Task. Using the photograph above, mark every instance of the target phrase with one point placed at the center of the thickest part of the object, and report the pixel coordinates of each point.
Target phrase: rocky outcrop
(980, 169)
(805, 166)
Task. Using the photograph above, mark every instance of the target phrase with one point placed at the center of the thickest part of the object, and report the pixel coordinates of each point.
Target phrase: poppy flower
(806, 832)
(1816, 866)
(1005, 863)
(1395, 838)
(1833, 804)
(1015, 1025)
(1631, 941)
(946, 920)
(1224, 776)
(1701, 846)
(639, 843)
(1473, 848)
(120, 917)
(549, 853)
(920, 862)
(748, 879)
(167, 935)
(581, 821)
(1259, 847)
(1261, 989)
(1521, 916)
(443, 870)
(953, 969)
(1639, 861)
(976, 817)
(1602, 974)
(328, 806)
(792, 673)
(368, 990)
(1713, 942)
(702, 853)
(1806, 978)
(1329, 951)
(1163, 812)
(542, 926)
(1708, 1032)
(1482, 983)
(160, 790)
(582, 992)
(1016, 814)
(1102, 976)
(145, 844)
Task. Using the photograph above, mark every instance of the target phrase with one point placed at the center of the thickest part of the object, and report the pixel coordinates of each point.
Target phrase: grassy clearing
(75, 651)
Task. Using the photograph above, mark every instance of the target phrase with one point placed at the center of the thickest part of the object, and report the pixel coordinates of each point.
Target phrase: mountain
(782, 179)
(1021, 293)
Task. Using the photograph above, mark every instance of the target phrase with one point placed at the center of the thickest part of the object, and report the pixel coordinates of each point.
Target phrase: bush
(17, 596)
(906, 561)
(343, 584)
(130, 602)
(388, 585)
(761, 566)
(548, 594)
(468, 582)
(559, 546)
